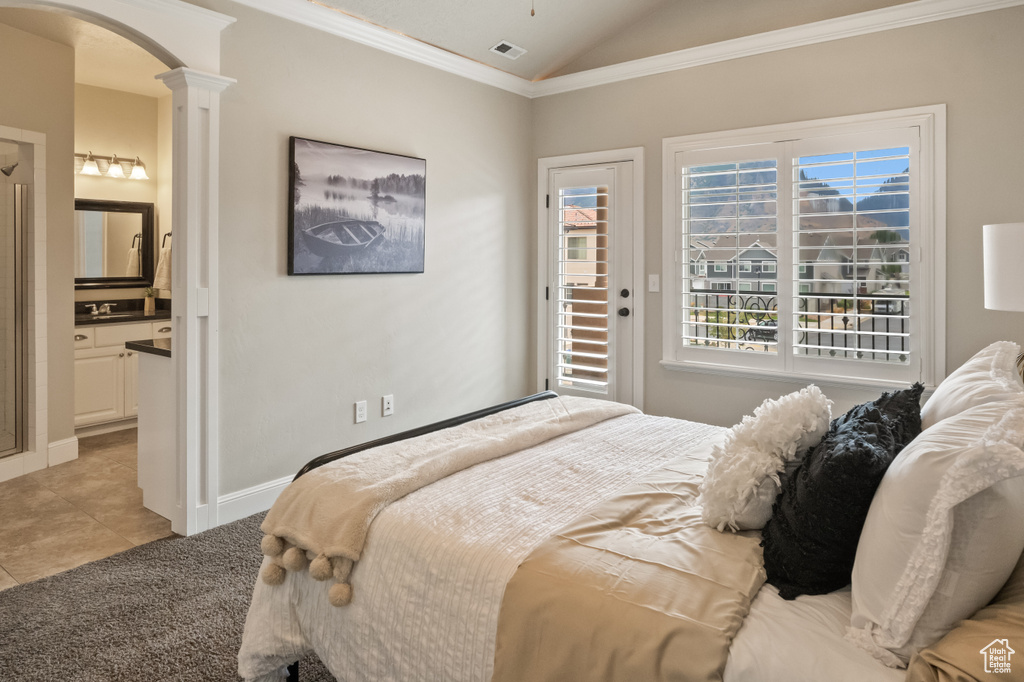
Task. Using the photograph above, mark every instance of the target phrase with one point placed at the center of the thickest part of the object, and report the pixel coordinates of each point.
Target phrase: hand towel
(162, 280)
(133, 263)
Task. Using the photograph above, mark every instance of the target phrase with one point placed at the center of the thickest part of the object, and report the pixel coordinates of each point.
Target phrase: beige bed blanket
(324, 516)
(639, 588)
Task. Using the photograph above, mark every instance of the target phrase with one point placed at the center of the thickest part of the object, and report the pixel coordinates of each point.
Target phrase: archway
(187, 39)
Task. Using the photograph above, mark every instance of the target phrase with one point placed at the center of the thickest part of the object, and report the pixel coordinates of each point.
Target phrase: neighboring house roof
(579, 218)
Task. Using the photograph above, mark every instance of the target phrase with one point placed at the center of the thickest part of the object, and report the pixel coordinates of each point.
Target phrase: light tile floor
(73, 513)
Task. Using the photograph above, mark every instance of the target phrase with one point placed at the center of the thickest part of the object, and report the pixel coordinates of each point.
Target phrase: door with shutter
(589, 293)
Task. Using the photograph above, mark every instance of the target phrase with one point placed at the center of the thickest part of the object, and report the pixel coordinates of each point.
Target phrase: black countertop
(82, 320)
(125, 310)
(160, 347)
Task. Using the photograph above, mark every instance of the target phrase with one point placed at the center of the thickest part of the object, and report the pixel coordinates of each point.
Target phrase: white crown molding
(874, 21)
(308, 13)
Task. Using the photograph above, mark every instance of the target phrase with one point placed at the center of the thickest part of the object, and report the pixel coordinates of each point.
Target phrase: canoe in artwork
(342, 235)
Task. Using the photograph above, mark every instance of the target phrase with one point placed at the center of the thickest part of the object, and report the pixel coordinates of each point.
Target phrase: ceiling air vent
(507, 49)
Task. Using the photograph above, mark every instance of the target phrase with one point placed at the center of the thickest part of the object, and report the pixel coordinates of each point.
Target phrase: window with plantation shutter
(827, 240)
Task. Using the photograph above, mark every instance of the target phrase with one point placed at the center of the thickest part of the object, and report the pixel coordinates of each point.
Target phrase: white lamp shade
(115, 170)
(138, 171)
(90, 167)
(1004, 266)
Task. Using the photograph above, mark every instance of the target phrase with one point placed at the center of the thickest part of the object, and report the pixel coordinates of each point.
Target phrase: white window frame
(746, 266)
(721, 267)
(768, 267)
(745, 286)
(927, 257)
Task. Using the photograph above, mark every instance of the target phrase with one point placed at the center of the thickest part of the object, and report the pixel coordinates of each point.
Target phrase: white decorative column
(194, 294)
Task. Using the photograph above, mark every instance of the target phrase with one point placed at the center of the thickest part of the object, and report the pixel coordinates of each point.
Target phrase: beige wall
(297, 352)
(972, 64)
(109, 122)
(37, 93)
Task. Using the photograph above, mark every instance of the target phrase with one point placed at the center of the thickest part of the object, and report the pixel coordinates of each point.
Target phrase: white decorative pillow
(944, 531)
(742, 480)
(988, 376)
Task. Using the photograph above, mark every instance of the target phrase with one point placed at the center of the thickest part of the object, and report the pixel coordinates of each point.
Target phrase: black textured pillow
(811, 539)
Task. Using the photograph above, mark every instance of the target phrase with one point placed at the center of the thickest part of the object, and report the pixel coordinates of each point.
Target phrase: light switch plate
(653, 283)
(360, 412)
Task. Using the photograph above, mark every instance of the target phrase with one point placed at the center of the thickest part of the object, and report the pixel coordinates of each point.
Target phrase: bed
(579, 554)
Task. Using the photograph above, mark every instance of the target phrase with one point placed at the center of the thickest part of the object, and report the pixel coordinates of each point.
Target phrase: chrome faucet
(93, 306)
(105, 309)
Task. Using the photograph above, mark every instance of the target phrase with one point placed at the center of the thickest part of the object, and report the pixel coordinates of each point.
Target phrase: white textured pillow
(742, 480)
(945, 529)
(988, 376)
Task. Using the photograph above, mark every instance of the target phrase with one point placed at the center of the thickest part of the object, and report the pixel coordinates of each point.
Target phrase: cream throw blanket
(325, 515)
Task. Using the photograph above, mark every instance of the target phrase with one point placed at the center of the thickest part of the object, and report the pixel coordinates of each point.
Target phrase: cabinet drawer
(84, 337)
(117, 334)
(162, 329)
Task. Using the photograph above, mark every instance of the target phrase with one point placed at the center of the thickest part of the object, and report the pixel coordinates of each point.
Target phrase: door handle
(624, 293)
(623, 312)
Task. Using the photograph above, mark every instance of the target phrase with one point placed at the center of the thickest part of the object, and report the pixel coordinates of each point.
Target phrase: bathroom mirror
(114, 244)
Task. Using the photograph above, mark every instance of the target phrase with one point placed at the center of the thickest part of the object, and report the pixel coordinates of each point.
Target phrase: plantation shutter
(730, 249)
(582, 351)
(853, 240)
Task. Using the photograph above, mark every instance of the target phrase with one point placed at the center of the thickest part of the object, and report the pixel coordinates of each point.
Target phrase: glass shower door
(12, 315)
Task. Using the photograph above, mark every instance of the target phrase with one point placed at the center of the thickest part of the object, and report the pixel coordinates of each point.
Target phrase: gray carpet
(173, 609)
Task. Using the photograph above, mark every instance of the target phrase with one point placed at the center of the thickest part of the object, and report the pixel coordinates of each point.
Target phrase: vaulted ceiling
(560, 36)
(558, 32)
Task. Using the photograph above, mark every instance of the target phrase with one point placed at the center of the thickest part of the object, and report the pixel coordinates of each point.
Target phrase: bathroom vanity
(107, 373)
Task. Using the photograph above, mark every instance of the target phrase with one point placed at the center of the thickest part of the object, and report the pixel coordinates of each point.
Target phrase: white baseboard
(243, 503)
(63, 451)
(23, 463)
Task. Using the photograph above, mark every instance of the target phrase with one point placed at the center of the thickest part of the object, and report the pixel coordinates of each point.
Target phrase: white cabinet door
(99, 385)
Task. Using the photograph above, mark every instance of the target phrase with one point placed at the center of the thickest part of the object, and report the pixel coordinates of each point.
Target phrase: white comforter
(436, 562)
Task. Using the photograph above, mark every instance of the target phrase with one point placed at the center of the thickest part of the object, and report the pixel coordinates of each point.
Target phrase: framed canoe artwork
(354, 211)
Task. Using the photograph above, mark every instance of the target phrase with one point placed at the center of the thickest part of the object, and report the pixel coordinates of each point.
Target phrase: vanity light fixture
(110, 166)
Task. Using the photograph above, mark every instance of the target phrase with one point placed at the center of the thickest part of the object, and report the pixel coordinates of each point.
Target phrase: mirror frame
(146, 253)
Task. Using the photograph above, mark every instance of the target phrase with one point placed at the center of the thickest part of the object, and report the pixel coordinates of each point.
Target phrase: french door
(589, 297)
